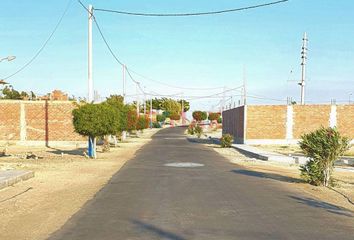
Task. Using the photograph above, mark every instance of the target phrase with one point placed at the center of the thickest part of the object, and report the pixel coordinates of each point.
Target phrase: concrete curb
(11, 177)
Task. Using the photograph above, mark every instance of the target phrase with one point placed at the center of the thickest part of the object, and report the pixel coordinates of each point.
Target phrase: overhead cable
(44, 45)
(190, 14)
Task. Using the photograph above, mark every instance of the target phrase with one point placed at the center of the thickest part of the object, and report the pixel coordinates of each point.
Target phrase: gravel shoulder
(35, 208)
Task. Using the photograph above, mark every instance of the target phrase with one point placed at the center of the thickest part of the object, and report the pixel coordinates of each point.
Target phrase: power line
(130, 70)
(172, 86)
(190, 14)
(45, 43)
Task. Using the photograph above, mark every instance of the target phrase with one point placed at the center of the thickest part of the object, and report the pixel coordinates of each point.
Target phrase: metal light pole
(303, 67)
(8, 58)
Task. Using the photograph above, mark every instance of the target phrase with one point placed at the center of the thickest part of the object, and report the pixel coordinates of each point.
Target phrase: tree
(95, 120)
(160, 118)
(214, 116)
(170, 105)
(175, 116)
(142, 123)
(186, 105)
(10, 93)
(323, 146)
(199, 115)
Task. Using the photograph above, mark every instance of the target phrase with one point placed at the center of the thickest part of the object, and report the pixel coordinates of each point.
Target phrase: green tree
(142, 123)
(170, 105)
(323, 146)
(160, 118)
(186, 105)
(95, 120)
(10, 93)
(214, 116)
(199, 115)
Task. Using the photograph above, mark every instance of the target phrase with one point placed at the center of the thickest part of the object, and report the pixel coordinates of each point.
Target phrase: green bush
(156, 125)
(160, 118)
(175, 116)
(190, 129)
(226, 140)
(142, 123)
(214, 116)
(220, 119)
(199, 115)
(198, 130)
(323, 146)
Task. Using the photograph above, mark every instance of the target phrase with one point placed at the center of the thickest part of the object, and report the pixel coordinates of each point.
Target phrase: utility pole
(137, 100)
(150, 111)
(244, 86)
(90, 80)
(303, 67)
(144, 102)
(124, 69)
(91, 141)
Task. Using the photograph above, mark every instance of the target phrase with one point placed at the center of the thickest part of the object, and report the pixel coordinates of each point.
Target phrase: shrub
(132, 119)
(156, 125)
(323, 146)
(190, 129)
(160, 118)
(214, 116)
(142, 123)
(226, 140)
(219, 119)
(175, 116)
(198, 130)
(199, 115)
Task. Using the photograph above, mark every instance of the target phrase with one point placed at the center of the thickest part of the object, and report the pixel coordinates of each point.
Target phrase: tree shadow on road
(273, 176)
(323, 205)
(163, 234)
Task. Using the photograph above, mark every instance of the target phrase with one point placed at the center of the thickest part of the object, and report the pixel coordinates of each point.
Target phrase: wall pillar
(333, 116)
(23, 127)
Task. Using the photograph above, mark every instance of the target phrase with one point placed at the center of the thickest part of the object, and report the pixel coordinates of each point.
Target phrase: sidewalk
(10, 177)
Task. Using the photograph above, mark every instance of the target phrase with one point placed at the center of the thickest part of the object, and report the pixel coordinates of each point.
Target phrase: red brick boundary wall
(37, 123)
(282, 124)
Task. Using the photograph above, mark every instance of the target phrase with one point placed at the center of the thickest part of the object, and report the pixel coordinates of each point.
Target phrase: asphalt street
(148, 199)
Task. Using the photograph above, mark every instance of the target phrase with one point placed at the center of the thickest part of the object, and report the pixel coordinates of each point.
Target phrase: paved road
(147, 200)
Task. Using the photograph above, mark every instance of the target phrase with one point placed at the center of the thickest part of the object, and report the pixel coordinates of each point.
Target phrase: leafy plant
(142, 123)
(156, 125)
(160, 118)
(226, 140)
(199, 115)
(323, 146)
(219, 119)
(190, 129)
(214, 116)
(175, 116)
(198, 130)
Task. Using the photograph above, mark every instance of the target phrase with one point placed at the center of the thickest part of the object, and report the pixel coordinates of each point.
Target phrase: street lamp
(9, 58)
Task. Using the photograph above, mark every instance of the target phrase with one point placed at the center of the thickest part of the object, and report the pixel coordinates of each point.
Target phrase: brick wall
(266, 121)
(272, 124)
(10, 121)
(345, 120)
(310, 117)
(37, 121)
(233, 123)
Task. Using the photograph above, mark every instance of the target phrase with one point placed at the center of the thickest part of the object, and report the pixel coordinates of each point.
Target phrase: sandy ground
(294, 149)
(62, 184)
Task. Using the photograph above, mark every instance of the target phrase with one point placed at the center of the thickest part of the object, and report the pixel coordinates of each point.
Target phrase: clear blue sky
(191, 52)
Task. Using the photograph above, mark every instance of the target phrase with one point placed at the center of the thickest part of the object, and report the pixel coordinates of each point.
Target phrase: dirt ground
(33, 209)
(290, 176)
(294, 149)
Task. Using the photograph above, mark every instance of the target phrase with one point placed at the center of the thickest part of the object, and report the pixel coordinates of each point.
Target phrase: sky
(260, 45)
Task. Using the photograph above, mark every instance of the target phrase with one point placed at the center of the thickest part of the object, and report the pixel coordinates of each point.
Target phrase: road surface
(148, 200)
